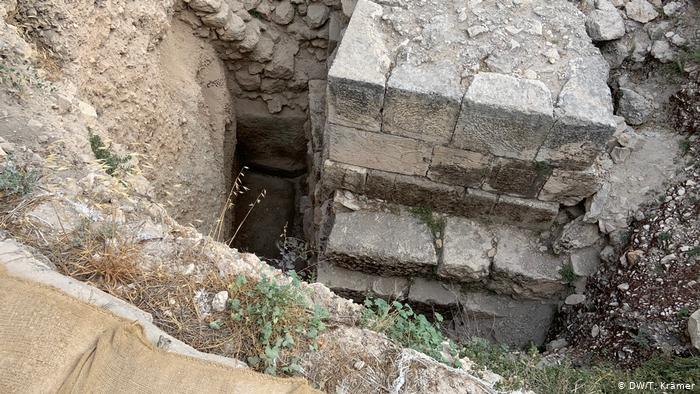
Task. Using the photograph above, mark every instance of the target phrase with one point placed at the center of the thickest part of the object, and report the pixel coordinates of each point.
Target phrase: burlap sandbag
(50, 342)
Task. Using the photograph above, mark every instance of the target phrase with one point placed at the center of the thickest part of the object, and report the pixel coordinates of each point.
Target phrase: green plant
(684, 145)
(400, 323)
(683, 313)
(15, 180)
(567, 273)
(425, 215)
(256, 14)
(279, 317)
(110, 161)
(525, 370)
(543, 168)
(665, 236)
(694, 251)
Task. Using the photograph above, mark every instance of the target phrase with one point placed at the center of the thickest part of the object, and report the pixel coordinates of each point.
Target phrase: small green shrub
(279, 317)
(400, 323)
(567, 273)
(665, 236)
(16, 181)
(109, 160)
(543, 168)
(425, 215)
(525, 370)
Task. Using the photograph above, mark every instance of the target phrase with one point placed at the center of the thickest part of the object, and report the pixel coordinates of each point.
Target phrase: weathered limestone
(357, 285)
(423, 102)
(505, 320)
(357, 79)
(584, 117)
(517, 177)
(500, 318)
(570, 187)
(525, 213)
(491, 115)
(527, 271)
(368, 241)
(458, 167)
(504, 116)
(377, 151)
(465, 250)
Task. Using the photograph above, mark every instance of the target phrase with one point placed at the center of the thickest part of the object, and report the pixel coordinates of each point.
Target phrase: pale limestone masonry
(517, 108)
(454, 132)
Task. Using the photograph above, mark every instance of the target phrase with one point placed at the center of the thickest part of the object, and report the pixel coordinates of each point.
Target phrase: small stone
(694, 329)
(595, 330)
(623, 286)
(575, 299)
(557, 344)
(631, 140)
(640, 11)
(317, 15)
(661, 50)
(668, 258)
(619, 155)
(476, 30)
(359, 365)
(605, 25)
(284, 13)
(219, 302)
(672, 8)
(634, 107)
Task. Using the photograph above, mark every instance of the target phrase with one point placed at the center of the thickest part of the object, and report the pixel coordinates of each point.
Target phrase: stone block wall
(473, 142)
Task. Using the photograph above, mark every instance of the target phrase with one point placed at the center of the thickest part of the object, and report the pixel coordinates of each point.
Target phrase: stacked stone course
(489, 117)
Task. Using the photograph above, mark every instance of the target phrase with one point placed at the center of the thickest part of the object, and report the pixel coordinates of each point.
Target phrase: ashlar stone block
(423, 101)
(584, 117)
(466, 245)
(517, 177)
(358, 285)
(504, 116)
(381, 243)
(521, 268)
(357, 78)
(458, 167)
(377, 151)
(570, 187)
(525, 212)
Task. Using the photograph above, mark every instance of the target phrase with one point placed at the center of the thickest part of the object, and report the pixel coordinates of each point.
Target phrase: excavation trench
(271, 154)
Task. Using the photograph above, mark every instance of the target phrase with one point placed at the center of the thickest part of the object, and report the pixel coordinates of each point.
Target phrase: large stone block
(517, 177)
(423, 101)
(434, 293)
(521, 268)
(342, 176)
(570, 187)
(458, 167)
(466, 245)
(358, 285)
(475, 203)
(421, 192)
(584, 117)
(502, 319)
(381, 243)
(377, 151)
(524, 212)
(499, 318)
(357, 78)
(504, 116)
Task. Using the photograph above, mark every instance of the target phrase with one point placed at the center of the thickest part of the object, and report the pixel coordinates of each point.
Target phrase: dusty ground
(155, 88)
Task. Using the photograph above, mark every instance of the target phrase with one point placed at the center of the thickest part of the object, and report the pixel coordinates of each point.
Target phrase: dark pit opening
(271, 150)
